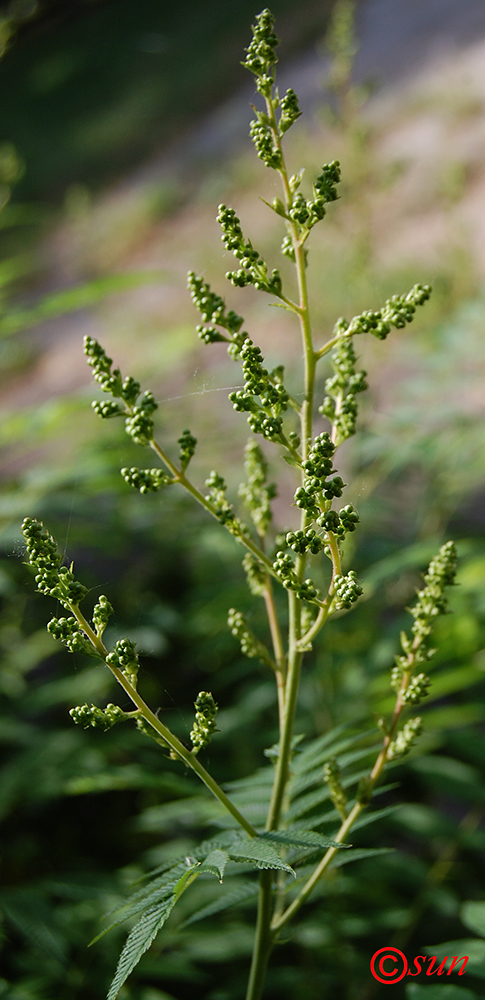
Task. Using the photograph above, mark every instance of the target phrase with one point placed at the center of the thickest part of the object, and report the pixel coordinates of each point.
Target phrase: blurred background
(123, 125)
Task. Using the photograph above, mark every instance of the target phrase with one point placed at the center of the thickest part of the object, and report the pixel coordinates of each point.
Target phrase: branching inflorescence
(270, 561)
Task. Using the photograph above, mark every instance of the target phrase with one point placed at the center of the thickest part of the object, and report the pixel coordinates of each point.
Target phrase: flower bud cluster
(204, 725)
(261, 53)
(250, 645)
(339, 523)
(416, 690)
(213, 309)
(340, 406)
(290, 110)
(397, 311)
(431, 600)
(404, 740)
(125, 658)
(223, 510)
(91, 715)
(318, 467)
(331, 775)
(262, 135)
(305, 541)
(307, 213)
(431, 603)
(284, 568)
(256, 493)
(263, 419)
(254, 270)
(101, 615)
(67, 630)
(187, 443)
(347, 591)
(255, 575)
(138, 423)
(51, 578)
(145, 480)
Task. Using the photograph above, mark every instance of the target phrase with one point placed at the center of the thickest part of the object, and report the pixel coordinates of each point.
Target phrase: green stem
(263, 939)
(159, 727)
(263, 942)
(181, 478)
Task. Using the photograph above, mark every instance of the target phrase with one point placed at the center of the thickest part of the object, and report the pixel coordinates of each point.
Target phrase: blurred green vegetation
(84, 814)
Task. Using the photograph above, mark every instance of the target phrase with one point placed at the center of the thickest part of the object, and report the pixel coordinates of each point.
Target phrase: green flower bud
(204, 725)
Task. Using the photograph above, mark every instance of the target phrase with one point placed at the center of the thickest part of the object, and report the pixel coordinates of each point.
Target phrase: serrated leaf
(248, 890)
(257, 850)
(472, 914)
(138, 942)
(319, 750)
(373, 817)
(300, 838)
(358, 854)
(305, 803)
(215, 863)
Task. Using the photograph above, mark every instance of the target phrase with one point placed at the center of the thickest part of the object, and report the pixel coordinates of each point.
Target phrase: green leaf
(215, 863)
(358, 854)
(239, 894)
(138, 942)
(300, 838)
(326, 746)
(257, 850)
(474, 948)
(438, 991)
(372, 817)
(473, 916)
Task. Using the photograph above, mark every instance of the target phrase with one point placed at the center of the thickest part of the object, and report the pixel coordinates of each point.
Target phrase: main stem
(264, 937)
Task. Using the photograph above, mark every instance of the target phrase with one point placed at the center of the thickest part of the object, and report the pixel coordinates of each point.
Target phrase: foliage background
(110, 189)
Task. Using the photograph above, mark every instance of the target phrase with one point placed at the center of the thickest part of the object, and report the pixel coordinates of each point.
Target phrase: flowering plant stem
(322, 529)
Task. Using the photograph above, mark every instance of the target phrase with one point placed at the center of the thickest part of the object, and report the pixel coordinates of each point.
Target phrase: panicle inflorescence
(404, 740)
(125, 658)
(205, 724)
(431, 599)
(104, 718)
(339, 405)
(51, 578)
(265, 417)
(250, 645)
(305, 541)
(136, 409)
(146, 480)
(101, 614)
(68, 631)
(317, 486)
(431, 603)
(253, 270)
(188, 444)
(397, 311)
(331, 775)
(223, 510)
(284, 568)
(256, 492)
(347, 590)
(213, 310)
(339, 523)
(305, 213)
(261, 53)
(255, 574)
